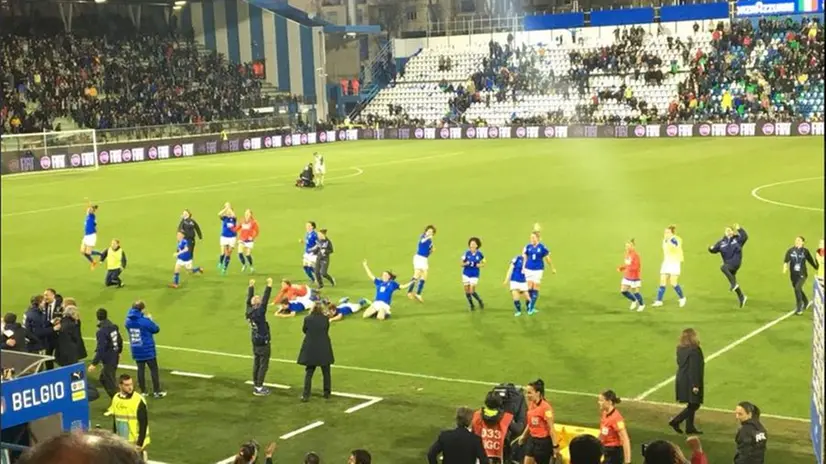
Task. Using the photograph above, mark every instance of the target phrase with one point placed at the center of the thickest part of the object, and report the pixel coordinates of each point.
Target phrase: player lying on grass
(345, 308)
(293, 292)
(385, 287)
(289, 308)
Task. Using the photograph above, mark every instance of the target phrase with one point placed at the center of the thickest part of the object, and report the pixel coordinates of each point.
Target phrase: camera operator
(248, 454)
(69, 345)
(39, 327)
(14, 335)
(493, 424)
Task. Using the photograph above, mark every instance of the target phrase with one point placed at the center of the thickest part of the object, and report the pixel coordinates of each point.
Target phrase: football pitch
(590, 196)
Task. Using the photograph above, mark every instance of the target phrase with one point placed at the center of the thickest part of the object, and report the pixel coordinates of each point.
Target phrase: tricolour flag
(807, 6)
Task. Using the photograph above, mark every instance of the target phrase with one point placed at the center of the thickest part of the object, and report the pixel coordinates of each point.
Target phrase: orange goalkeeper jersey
(247, 230)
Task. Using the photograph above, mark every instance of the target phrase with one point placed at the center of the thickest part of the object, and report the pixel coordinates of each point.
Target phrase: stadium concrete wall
(245, 33)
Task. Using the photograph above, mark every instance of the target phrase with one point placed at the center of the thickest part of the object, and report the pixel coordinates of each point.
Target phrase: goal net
(48, 151)
(817, 372)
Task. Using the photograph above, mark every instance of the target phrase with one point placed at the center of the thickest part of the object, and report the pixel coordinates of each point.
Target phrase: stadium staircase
(378, 79)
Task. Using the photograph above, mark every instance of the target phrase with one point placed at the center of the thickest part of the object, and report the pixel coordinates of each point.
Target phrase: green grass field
(589, 195)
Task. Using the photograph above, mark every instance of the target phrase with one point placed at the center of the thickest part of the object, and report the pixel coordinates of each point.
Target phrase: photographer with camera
(495, 425)
(248, 454)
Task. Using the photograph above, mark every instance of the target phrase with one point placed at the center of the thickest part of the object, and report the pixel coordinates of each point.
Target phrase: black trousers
(614, 455)
(687, 416)
(730, 272)
(308, 380)
(113, 277)
(107, 379)
(260, 363)
(798, 280)
(191, 242)
(321, 267)
(153, 371)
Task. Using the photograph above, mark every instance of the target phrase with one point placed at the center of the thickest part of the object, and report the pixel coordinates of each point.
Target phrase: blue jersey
(184, 255)
(296, 307)
(310, 240)
(90, 225)
(471, 263)
(228, 226)
(517, 275)
(535, 256)
(345, 309)
(384, 290)
(425, 246)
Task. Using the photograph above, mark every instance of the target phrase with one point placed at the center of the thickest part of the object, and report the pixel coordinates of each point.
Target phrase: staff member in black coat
(460, 445)
(69, 346)
(14, 335)
(322, 250)
(260, 330)
(39, 328)
(316, 351)
(751, 438)
(689, 381)
(108, 350)
(795, 261)
(730, 248)
(189, 228)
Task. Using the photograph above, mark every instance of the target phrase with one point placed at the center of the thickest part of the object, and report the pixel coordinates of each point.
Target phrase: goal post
(817, 413)
(48, 151)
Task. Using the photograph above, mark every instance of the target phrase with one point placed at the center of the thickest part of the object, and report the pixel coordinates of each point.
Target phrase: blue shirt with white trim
(471, 263)
(384, 290)
(535, 256)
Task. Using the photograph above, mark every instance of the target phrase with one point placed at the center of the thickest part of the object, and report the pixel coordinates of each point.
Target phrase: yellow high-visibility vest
(125, 411)
(114, 259)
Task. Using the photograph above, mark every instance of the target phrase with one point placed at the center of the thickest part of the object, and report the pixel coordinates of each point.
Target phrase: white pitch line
(429, 377)
(718, 353)
(354, 396)
(756, 195)
(270, 385)
(361, 406)
(192, 374)
(368, 401)
(306, 428)
(127, 367)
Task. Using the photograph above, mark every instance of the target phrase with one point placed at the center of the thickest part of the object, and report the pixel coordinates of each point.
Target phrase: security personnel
(795, 261)
(109, 348)
(189, 227)
(128, 410)
(115, 259)
(492, 424)
(256, 314)
(751, 438)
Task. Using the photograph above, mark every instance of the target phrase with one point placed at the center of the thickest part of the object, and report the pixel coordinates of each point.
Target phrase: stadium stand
(738, 71)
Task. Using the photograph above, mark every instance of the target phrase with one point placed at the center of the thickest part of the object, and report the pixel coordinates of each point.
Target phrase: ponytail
(750, 408)
(611, 396)
(539, 386)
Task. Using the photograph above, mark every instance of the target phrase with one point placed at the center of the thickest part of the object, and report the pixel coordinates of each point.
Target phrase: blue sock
(660, 292)
(226, 261)
(411, 286)
(628, 295)
(518, 305)
(176, 278)
(679, 291)
(95, 253)
(249, 260)
(476, 295)
(534, 294)
(421, 287)
(221, 259)
(309, 271)
(241, 258)
(469, 300)
(88, 257)
(638, 296)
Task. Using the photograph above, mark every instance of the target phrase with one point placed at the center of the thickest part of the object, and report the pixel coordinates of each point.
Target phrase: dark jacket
(190, 228)
(109, 344)
(257, 317)
(17, 333)
(39, 330)
(797, 258)
(317, 348)
(751, 440)
(731, 248)
(69, 346)
(457, 446)
(690, 371)
(322, 249)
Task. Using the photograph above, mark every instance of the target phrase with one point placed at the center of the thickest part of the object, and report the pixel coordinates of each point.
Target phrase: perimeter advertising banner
(156, 150)
(58, 391)
(749, 8)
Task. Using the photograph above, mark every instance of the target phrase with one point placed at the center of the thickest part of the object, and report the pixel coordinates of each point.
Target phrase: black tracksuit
(796, 258)
(751, 440)
(731, 250)
(260, 331)
(190, 228)
(107, 352)
(323, 249)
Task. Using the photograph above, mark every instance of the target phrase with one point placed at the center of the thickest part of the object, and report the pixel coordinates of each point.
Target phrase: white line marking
(756, 195)
(127, 367)
(192, 374)
(306, 428)
(270, 385)
(354, 396)
(423, 376)
(361, 406)
(718, 353)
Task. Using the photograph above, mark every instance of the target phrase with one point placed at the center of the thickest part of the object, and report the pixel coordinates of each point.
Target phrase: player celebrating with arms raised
(309, 258)
(183, 257)
(534, 256)
(730, 248)
(385, 287)
(423, 251)
(228, 236)
(472, 260)
(247, 232)
(518, 284)
(631, 283)
(90, 235)
(672, 262)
